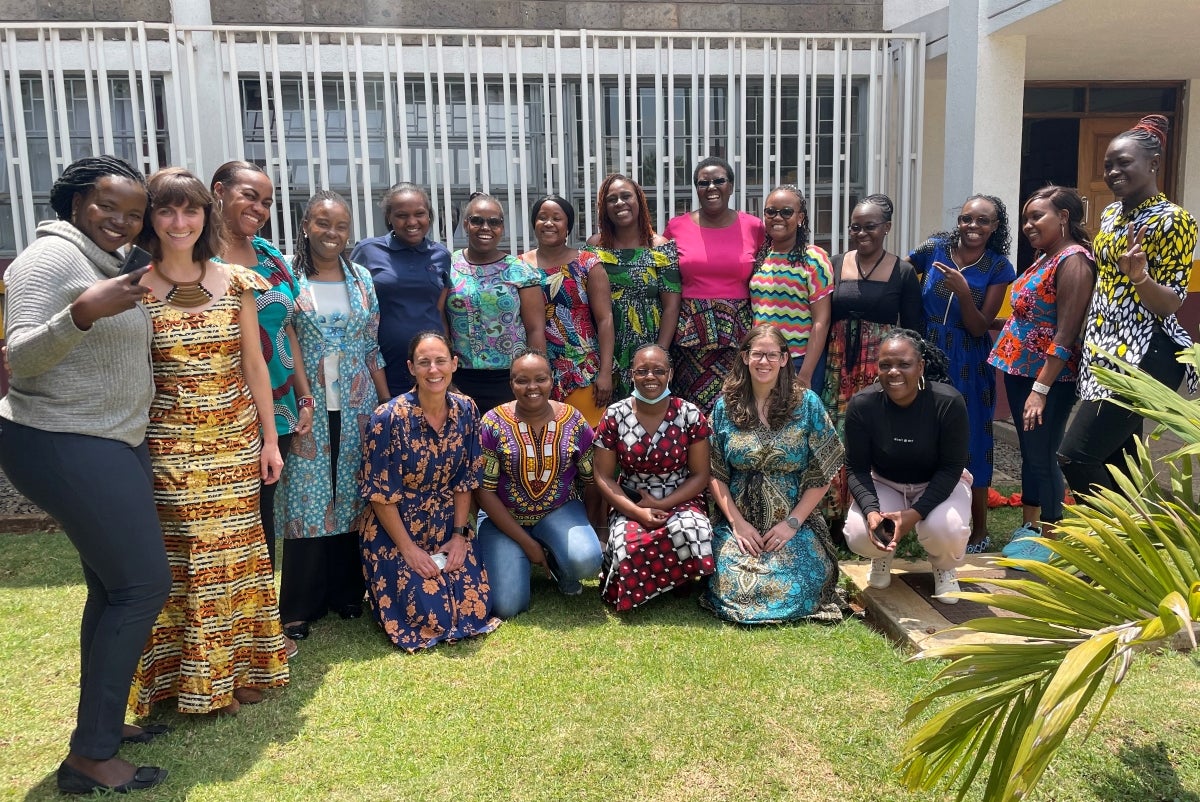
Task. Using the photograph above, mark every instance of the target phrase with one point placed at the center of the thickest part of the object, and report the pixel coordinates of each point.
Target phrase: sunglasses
(705, 183)
(490, 222)
(966, 220)
(858, 228)
(786, 212)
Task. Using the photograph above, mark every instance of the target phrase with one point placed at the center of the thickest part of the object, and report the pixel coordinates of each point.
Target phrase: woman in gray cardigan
(72, 441)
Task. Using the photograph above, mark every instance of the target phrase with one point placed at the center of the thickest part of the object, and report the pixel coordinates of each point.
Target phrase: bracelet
(1041, 389)
(305, 402)
(465, 531)
(1145, 278)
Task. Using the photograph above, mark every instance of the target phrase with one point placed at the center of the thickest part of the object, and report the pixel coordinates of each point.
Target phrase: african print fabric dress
(409, 464)
(640, 564)
(571, 343)
(636, 277)
(219, 629)
(767, 472)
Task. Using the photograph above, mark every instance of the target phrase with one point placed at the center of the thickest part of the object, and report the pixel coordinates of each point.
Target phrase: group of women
(425, 427)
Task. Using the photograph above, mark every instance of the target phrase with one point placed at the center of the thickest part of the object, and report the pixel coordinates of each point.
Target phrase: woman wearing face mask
(1144, 255)
(411, 274)
(652, 465)
(873, 291)
(717, 247)
(337, 318)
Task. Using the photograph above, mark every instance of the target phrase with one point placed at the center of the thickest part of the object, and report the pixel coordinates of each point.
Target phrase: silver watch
(793, 522)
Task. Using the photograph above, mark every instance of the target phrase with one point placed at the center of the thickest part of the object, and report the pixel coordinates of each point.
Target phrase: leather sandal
(148, 734)
(73, 781)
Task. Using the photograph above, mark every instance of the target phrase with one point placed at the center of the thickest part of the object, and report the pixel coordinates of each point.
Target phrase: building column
(985, 89)
(208, 140)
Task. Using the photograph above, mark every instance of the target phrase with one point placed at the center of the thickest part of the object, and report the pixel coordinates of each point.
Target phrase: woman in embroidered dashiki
(965, 273)
(534, 451)
(217, 643)
(337, 318)
(421, 463)
(1144, 255)
(660, 537)
(643, 274)
(774, 451)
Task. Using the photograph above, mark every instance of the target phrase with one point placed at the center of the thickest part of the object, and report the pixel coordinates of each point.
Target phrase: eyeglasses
(786, 212)
(614, 199)
(705, 183)
(857, 228)
(966, 220)
(765, 356)
(425, 364)
(658, 373)
(490, 222)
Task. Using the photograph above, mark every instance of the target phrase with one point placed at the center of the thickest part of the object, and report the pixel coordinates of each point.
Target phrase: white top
(332, 307)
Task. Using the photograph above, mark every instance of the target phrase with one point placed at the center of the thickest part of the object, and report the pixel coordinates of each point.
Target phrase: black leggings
(101, 492)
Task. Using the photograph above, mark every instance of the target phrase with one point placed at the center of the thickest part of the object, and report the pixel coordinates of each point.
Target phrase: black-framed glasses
(705, 183)
(490, 222)
(786, 212)
(858, 228)
(658, 373)
(772, 357)
(981, 221)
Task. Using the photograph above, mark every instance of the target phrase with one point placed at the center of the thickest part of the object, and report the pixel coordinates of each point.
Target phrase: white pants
(943, 534)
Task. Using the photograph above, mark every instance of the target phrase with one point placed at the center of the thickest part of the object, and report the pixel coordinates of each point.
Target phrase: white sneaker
(945, 582)
(881, 572)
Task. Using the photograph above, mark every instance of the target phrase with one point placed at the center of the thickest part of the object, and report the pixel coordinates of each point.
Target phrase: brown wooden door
(1094, 135)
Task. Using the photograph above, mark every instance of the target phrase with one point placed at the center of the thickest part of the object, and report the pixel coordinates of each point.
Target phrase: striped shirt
(782, 292)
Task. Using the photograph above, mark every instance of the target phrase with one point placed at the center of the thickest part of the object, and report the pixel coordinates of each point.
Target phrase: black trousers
(101, 492)
(1102, 433)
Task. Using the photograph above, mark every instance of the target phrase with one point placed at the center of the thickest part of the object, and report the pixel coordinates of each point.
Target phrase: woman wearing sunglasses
(872, 290)
(495, 308)
(792, 281)
(966, 274)
(716, 247)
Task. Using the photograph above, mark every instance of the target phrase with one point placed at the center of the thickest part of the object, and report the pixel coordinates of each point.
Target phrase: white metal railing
(514, 113)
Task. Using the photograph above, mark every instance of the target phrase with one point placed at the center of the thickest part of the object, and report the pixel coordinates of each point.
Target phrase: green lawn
(566, 702)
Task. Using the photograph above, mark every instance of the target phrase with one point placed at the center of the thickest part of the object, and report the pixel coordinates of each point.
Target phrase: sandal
(73, 781)
(148, 734)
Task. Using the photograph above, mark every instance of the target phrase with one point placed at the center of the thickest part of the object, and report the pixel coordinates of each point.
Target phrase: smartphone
(631, 491)
(439, 559)
(136, 259)
(886, 531)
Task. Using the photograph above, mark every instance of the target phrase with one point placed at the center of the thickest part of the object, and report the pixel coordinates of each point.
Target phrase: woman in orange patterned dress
(218, 641)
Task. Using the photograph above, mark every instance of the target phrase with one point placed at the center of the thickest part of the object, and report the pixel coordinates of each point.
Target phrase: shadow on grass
(38, 560)
(1151, 776)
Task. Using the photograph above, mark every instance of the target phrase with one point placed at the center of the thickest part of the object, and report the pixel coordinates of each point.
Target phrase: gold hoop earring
(921, 382)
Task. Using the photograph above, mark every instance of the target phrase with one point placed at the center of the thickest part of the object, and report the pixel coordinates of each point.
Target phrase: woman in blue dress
(965, 275)
(422, 462)
(774, 452)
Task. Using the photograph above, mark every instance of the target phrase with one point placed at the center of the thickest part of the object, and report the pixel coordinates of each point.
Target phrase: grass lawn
(566, 702)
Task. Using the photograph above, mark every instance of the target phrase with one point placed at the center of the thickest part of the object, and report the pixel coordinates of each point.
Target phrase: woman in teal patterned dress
(643, 274)
(774, 452)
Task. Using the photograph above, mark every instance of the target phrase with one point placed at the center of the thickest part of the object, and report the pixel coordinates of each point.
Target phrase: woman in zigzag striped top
(792, 281)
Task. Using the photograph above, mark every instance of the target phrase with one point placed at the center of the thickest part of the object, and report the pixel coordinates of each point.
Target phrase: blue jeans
(1042, 483)
(568, 536)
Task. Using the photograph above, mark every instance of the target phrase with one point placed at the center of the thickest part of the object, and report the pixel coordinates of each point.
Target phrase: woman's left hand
(1035, 405)
(271, 463)
(304, 426)
(602, 389)
(456, 553)
(777, 536)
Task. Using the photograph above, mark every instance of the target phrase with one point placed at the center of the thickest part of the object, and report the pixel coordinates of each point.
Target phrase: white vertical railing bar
(559, 159)
(148, 99)
(322, 122)
(662, 116)
(519, 211)
(837, 198)
(265, 118)
(814, 120)
(914, 130)
(352, 124)
(305, 108)
(237, 148)
(106, 126)
(179, 144)
(63, 151)
(85, 45)
(620, 165)
(229, 98)
(14, 139)
(135, 98)
(707, 100)
(482, 104)
(735, 86)
(364, 142)
(522, 161)
(586, 130)
(663, 207)
(769, 163)
(699, 97)
(192, 93)
(444, 157)
(877, 86)
(391, 44)
(635, 101)
(597, 139)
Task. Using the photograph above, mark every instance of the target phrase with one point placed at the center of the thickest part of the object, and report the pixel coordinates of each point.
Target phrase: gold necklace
(188, 294)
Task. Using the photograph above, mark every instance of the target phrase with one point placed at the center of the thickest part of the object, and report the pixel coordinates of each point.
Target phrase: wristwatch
(793, 522)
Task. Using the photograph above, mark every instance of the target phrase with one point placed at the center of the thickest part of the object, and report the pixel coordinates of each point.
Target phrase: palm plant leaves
(1125, 577)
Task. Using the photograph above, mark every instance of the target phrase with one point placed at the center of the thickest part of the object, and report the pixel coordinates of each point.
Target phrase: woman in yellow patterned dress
(218, 641)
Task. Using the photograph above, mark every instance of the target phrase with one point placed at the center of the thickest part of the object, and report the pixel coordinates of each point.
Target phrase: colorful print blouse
(1027, 339)
(484, 310)
(1116, 321)
(534, 473)
(571, 341)
(783, 289)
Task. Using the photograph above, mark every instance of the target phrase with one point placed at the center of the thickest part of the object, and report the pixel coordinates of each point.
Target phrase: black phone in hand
(136, 259)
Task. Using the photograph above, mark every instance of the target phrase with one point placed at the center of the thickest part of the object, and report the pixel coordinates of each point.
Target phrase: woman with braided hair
(73, 441)
(906, 456)
(1143, 256)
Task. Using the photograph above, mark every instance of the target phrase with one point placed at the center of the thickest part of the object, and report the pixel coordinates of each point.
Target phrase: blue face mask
(638, 395)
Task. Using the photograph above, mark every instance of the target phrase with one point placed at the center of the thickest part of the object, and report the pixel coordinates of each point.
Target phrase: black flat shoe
(349, 611)
(148, 734)
(296, 631)
(72, 781)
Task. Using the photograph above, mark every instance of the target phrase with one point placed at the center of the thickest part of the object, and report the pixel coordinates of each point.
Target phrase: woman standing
(534, 451)
(337, 318)
(421, 463)
(791, 283)
(1144, 254)
(643, 274)
(1038, 352)
(244, 196)
(495, 308)
(873, 290)
(717, 246)
(660, 537)
(579, 327)
(773, 452)
(411, 274)
(217, 643)
(965, 274)
(73, 441)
